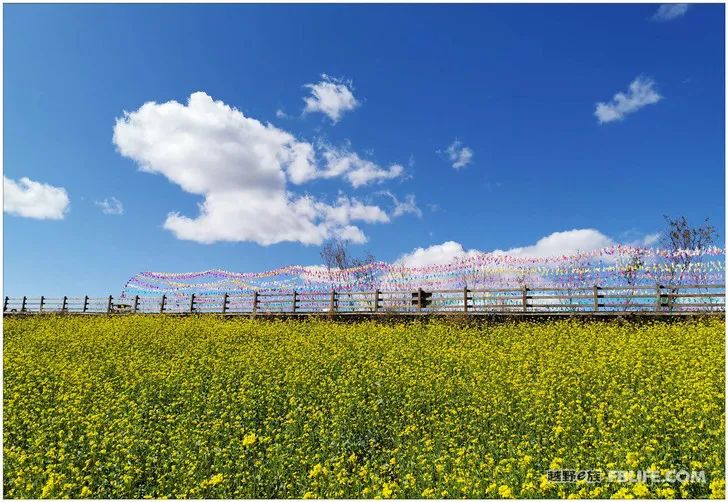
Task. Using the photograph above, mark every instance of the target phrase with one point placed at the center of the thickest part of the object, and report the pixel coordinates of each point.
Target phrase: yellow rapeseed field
(195, 407)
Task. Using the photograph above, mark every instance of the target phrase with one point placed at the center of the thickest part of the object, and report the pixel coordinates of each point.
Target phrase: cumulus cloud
(111, 205)
(640, 94)
(350, 209)
(438, 254)
(241, 167)
(650, 239)
(32, 199)
(269, 217)
(331, 96)
(669, 11)
(459, 155)
(556, 244)
(563, 243)
(340, 162)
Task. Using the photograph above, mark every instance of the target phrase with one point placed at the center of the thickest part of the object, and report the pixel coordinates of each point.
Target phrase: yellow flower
(622, 493)
(544, 483)
(49, 487)
(717, 489)
(215, 480)
(316, 471)
(428, 493)
(527, 487)
(640, 490)
(666, 493)
(309, 495)
(249, 439)
(505, 492)
(632, 459)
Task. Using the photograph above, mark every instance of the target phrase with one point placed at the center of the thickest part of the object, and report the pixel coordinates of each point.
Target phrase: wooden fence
(671, 299)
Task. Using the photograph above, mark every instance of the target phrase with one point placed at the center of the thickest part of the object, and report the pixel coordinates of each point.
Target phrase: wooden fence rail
(670, 299)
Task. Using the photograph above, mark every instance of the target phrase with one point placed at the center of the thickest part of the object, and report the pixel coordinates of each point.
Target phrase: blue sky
(507, 93)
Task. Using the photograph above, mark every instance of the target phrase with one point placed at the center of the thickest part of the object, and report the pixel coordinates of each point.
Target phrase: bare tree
(680, 237)
(630, 270)
(335, 254)
(345, 269)
(364, 273)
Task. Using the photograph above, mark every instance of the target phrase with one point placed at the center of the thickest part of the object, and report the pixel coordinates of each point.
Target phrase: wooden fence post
(5, 305)
(192, 303)
(255, 302)
(42, 299)
(332, 305)
(525, 297)
(658, 298)
(376, 300)
(295, 299)
(419, 299)
(108, 305)
(64, 306)
(465, 299)
(596, 298)
(224, 303)
(25, 300)
(85, 303)
(136, 303)
(161, 308)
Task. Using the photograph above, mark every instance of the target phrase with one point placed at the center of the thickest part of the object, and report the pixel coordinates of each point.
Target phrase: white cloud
(332, 96)
(407, 206)
(650, 239)
(638, 239)
(340, 162)
(268, 218)
(438, 254)
(352, 234)
(641, 93)
(207, 146)
(669, 11)
(241, 168)
(111, 205)
(31, 199)
(566, 243)
(459, 155)
(347, 209)
(563, 243)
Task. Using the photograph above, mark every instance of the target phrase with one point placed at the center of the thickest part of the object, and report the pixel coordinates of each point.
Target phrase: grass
(134, 406)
